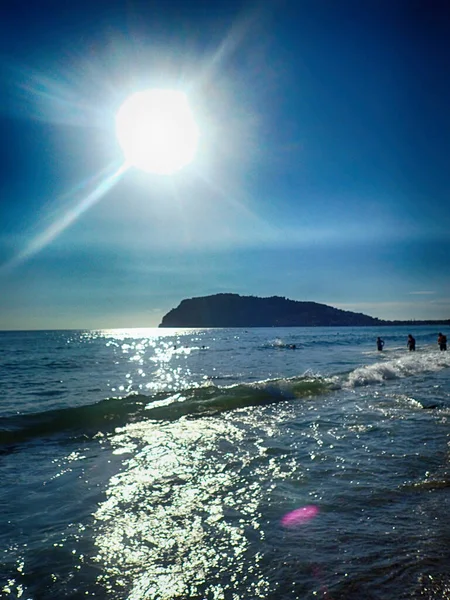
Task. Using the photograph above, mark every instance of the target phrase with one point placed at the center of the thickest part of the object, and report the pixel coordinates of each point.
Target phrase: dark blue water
(159, 464)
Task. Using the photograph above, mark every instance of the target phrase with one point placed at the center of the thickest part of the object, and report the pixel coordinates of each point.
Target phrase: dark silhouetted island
(233, 310)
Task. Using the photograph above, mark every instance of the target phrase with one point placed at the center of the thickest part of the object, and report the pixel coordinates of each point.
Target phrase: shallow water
(160, 464)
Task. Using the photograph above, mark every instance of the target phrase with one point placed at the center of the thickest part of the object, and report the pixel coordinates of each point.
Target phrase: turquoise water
(159, 464)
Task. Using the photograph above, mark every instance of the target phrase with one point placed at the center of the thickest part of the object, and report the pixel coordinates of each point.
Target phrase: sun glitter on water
(157, 131)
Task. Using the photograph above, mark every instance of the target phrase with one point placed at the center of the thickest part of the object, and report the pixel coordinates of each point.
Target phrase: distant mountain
(233, 310)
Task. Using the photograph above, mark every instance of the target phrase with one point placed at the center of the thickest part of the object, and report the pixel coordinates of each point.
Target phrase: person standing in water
(380, 344)
(411, 343)
(442, 341)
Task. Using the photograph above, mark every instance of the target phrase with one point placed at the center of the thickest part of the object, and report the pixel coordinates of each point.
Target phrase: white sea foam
(404, 366)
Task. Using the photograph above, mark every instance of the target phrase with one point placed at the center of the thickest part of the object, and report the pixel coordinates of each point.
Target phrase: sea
(224, 464)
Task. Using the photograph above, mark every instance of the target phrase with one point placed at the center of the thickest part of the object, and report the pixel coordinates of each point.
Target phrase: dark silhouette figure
(411, 343)
(380, 344)
(442, 341)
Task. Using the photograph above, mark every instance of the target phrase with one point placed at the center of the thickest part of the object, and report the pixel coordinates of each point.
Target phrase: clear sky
(322, 169)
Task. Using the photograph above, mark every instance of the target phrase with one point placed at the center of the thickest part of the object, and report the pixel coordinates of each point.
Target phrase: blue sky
(322, 170)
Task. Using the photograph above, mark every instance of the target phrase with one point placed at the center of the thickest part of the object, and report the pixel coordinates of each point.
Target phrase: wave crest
(106, 415)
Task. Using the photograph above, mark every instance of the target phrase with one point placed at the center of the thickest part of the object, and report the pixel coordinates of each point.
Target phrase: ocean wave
(403, 366)
(209, 399)
(110, 413)
(332, 341)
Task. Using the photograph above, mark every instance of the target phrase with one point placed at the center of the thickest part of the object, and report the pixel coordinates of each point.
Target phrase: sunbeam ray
(232, 199)
(43, 239)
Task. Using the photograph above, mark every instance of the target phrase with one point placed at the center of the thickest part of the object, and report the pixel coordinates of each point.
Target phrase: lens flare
(300, 516)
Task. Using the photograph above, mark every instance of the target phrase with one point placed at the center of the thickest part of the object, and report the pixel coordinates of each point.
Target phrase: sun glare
(157, 131)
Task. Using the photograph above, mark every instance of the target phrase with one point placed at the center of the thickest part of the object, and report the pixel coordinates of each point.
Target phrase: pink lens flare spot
(300, 516)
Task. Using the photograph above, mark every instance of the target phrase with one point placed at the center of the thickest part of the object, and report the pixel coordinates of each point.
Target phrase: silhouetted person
(411, 343)
(442, 341)
(380, 344)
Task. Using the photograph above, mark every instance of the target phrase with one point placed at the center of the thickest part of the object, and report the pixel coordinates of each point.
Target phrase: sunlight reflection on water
(179, 514)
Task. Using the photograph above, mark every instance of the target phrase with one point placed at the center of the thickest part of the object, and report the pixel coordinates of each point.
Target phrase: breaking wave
(395, 368)
(105, 415)
(110, 413)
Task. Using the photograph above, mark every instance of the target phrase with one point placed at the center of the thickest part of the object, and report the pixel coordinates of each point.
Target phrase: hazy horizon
(156, 324)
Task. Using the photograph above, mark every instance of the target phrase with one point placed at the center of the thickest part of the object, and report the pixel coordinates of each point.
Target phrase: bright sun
(157, 131)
